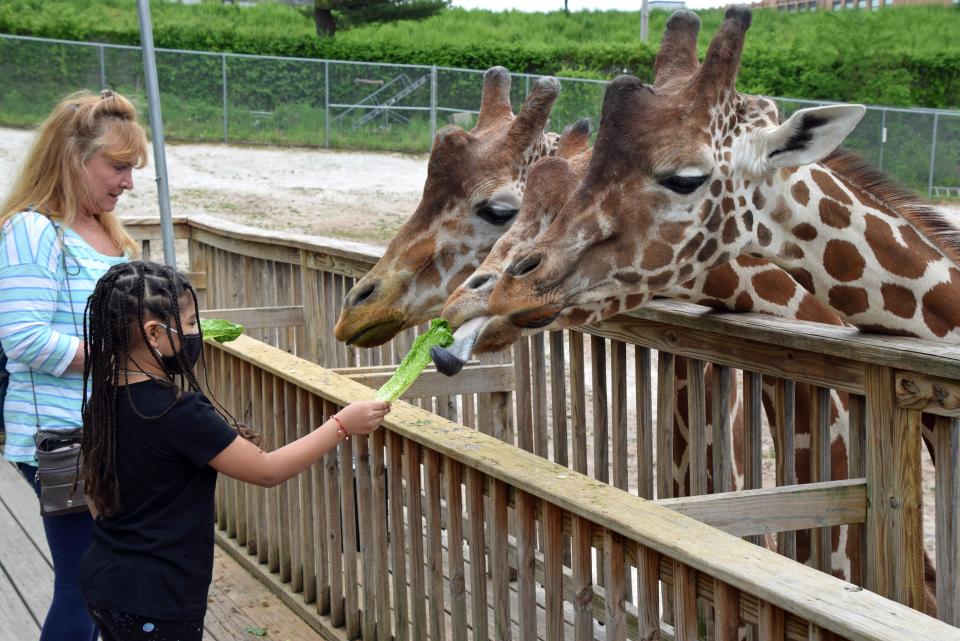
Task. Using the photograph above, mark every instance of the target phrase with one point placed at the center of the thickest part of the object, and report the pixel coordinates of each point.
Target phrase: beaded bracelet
(342, 433)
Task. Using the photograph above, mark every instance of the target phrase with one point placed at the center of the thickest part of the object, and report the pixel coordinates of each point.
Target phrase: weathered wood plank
(777, 509)
(431, 473)
(665, 406)
(618, 422)
(552, 569)
(685, 601)
(726, 601)
(259, 317)
(473, 379)
(578, 399)
(418, 594)
(930, 394)
(697, 426)
(453, 473)
(894, 526)
(644, 401)
(558, 399)
(582, 596)
(947, 450)
(526, 572)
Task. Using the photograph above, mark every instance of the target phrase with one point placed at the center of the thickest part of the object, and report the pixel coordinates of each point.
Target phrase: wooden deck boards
(237, 601)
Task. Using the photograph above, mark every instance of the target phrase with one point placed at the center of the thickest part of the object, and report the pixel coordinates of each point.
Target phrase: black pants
(117, 626)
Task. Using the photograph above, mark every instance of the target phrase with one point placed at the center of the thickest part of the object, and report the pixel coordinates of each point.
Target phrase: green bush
(896, 56)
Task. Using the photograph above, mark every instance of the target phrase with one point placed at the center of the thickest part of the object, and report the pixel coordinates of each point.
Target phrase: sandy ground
(358, 196)
(353, 195)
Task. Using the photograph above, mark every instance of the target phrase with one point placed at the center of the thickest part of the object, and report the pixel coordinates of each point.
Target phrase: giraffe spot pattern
(805, 279)
(758, 200)
(721, 282)
(685, 272)
(728, 205)
(774, 285)
(659, 281)
(810, 309)
(781, 213)
(800, 193)
(656, 255)
(843, 261)
(691, 247)
(707, 250)
(941, 308)
(705, 209)
(744, 302)
(898, 300)
(713, 223)
(834, 214)
(716, 187)
(673, 232)
(830, 187)
(722, 259)
(848, 300)
(741, 201)
(804, 231)
(730, 231)
(910, 261)
(764, 235)
(748, 220)
(790, 251)
(633, 301)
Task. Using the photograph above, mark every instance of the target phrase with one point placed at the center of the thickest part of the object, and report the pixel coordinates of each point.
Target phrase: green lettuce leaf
(416, 360)
(220, 330)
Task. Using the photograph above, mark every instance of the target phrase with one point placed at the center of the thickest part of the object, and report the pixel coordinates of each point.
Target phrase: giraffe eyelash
(496, 215)
(683, 184)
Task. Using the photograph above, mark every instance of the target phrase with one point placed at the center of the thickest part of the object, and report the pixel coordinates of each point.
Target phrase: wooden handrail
(829, 603)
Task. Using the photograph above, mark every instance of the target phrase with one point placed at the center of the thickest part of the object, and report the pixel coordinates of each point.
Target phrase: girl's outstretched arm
(246, 462)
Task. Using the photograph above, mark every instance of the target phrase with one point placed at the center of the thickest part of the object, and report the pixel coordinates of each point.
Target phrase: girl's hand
(363, 417)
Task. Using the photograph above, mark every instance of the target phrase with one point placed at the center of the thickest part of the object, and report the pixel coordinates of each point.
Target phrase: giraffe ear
(809, 135)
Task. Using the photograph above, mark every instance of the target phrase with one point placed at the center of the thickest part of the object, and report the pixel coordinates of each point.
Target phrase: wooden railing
(430, 529)
(539, 402)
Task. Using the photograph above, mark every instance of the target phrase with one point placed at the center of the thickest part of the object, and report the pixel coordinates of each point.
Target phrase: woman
(58, 236)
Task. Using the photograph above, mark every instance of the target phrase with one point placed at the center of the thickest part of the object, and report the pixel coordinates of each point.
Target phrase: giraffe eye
(683, 184)
(496, 215)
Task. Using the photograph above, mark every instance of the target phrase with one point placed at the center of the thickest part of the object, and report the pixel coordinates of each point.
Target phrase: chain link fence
(300, 101)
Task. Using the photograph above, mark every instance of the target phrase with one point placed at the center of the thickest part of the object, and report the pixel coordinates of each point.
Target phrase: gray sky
(575, 5)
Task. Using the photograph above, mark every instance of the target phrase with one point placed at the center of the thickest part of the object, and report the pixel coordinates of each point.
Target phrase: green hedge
(897, 57)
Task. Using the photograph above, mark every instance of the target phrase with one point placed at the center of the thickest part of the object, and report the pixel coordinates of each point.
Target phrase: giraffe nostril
(525, 265)
(363, 294)
(478, 281)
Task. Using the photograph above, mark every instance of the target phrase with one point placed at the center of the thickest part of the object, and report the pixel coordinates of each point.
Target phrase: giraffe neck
(861, 257)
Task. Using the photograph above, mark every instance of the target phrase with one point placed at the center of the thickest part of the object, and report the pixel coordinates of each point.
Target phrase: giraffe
(551, 183)
(707, 174)
(472, 193)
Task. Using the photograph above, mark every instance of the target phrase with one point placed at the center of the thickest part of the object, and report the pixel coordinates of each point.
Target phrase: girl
(152, 451)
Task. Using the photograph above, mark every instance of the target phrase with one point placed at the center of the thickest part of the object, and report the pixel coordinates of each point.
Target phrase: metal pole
(103, 69)
(326, 104)
(644, 21)
(933, 152)
(433, 104)
(223, 65)
(156, 128)
(883, 136)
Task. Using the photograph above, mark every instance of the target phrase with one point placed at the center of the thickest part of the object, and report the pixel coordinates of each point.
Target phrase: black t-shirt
(155, 557)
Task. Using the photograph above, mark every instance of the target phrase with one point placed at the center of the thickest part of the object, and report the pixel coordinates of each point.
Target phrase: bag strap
(73, 312)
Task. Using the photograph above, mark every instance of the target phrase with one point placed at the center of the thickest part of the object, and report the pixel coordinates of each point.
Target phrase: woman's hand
(363, 417)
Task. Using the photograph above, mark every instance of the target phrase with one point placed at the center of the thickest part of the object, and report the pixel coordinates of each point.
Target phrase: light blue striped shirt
(41, 324)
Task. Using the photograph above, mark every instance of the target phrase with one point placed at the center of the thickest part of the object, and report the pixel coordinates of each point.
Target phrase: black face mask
(191, 346)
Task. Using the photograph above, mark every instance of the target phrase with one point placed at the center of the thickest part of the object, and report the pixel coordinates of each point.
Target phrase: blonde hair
(52, 179)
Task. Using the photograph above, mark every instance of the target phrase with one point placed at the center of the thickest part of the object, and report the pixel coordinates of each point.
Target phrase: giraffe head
(665, 195)
(549, 185)
(474, 185)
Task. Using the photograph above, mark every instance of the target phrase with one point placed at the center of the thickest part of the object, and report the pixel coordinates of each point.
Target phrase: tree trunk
(326, 24)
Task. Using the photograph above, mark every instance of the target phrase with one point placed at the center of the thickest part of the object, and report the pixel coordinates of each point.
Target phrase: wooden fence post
(894, 497)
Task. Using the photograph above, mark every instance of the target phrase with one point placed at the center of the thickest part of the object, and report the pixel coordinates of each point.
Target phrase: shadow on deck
(239, 607)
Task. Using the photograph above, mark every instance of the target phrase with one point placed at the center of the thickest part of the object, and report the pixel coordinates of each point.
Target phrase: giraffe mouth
(450, 360)
(536, 318)
(376, 335)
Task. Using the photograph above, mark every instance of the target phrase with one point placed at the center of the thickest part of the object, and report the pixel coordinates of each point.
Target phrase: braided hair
(127, 296)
